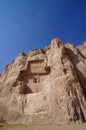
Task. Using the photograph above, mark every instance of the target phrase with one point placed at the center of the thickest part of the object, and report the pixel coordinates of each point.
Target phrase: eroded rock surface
(45, 86)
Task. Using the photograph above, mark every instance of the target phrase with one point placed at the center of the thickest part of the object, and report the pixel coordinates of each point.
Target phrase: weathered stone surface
(47, 86)
(79, 61)
(82, 48)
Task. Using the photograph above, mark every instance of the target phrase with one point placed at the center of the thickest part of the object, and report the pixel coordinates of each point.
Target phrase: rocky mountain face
(45, 86)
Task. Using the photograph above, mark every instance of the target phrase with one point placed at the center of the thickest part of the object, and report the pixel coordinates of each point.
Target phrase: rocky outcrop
(82, 49)
(45, 86)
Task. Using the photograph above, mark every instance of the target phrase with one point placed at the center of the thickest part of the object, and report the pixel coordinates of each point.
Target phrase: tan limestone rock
(43, 87)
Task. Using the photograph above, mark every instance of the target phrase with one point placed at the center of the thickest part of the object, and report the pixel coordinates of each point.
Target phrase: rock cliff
(45, 86)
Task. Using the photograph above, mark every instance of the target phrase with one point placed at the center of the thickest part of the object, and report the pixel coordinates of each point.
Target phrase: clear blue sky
(30, 24)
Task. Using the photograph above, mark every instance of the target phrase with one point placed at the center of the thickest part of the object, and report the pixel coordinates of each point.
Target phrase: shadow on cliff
(28, 90)
(77, 115)
(73, 57)
(24, 89)
(82, 80)
(75, 60)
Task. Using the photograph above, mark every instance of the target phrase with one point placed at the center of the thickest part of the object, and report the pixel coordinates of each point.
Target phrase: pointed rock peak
(84, 44)
(56, 41)
(22, 54)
